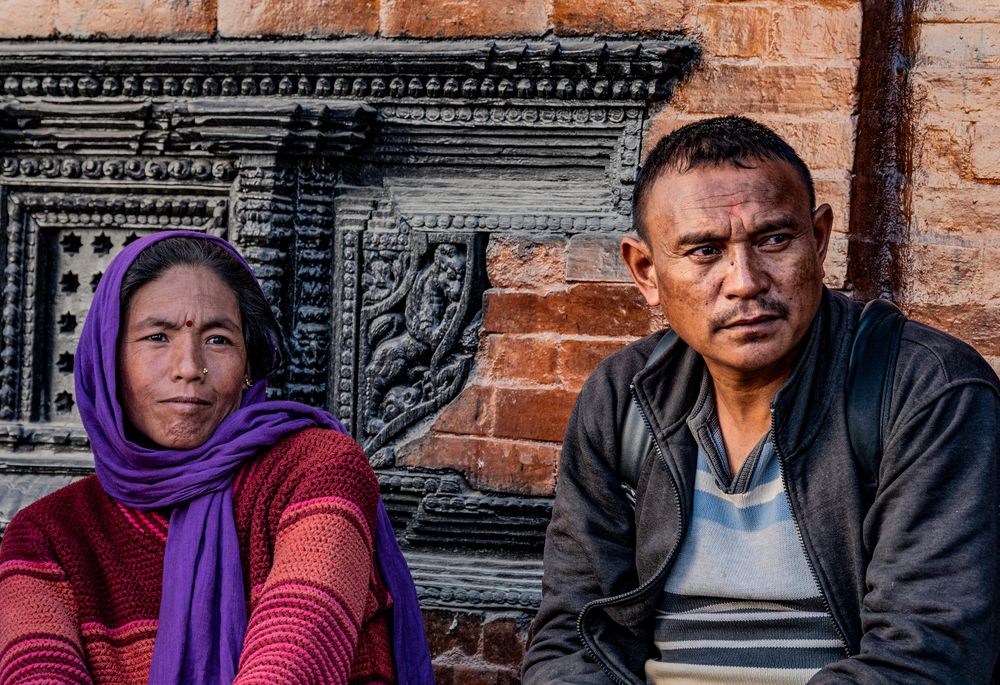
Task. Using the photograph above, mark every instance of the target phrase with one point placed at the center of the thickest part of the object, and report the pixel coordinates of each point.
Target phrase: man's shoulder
(932, 361)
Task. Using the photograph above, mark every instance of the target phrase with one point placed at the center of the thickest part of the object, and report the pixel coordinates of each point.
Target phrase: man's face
(735, 261)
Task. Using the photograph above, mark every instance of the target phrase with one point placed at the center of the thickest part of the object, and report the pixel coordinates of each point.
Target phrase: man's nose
(745, 275)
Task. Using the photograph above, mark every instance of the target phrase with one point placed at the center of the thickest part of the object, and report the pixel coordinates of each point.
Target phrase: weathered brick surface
(523, 262)
(533, 414)
(28, 18)
(476, 648)
(131, 19)
(443, 18)
(571, 17)
(490, 463)
(586, 308)
(955, 198)
(251, 18)
(595, 258)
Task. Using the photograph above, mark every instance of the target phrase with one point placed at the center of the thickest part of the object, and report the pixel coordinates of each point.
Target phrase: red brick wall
(558, 306)
(954, 198)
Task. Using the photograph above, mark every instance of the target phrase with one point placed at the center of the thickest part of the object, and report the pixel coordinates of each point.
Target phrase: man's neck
(743, 406)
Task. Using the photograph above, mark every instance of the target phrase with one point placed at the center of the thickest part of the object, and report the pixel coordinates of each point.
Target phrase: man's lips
(752, 321)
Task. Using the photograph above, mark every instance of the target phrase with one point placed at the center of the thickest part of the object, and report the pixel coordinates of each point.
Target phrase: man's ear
(638, 257)
(822, 218)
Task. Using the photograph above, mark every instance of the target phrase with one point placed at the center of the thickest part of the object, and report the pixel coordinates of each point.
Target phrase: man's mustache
(756, 307)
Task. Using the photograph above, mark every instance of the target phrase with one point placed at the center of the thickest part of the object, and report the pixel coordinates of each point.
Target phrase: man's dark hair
(713, 142)
(264, 342)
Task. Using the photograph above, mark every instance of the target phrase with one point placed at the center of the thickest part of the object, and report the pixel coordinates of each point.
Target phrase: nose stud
(204, 372)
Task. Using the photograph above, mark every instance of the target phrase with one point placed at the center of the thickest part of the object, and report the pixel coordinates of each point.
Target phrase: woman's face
(181, 357)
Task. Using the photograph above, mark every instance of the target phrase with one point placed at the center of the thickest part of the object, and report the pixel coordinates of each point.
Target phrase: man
(753, 554)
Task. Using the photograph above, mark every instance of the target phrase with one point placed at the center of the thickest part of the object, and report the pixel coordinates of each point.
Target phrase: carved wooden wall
(363, 180)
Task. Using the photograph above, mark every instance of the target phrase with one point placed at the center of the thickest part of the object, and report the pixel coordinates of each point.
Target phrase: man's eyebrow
(698, 238)
(777, 223)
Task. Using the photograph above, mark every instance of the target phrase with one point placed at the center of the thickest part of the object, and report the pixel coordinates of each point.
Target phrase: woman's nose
(188, 363)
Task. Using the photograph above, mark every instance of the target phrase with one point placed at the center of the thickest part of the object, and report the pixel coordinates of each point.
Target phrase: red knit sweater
(80, 576)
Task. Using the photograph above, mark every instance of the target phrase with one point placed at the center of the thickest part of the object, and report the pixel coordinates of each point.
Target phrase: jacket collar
(668, 389)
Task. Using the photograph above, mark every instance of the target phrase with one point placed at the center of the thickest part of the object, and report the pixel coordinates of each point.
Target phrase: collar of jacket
(667, 391)
(799, 409)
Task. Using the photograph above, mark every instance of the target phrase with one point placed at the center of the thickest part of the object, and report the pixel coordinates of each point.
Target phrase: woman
(225, 538)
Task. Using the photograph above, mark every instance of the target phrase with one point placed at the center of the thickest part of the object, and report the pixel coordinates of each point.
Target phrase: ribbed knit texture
(740, 606)
(80, 576)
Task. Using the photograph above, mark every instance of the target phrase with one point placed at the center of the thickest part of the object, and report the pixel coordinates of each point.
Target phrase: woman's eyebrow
(157, 322)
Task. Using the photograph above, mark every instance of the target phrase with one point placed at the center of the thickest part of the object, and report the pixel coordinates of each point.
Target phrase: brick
(578, 357)
(582, 309)
(970, 209)
(532, 414)
(526, 358)
(574, 17)
(948, 92)
(504, 640)
(728, 30)
(253, 18)
(595, 258)
(818, 32)
(452, 631)
(120, 18)
(471, 413)
(834, 188)
(976, 324)
(824, 141)
(836, 262)
(730, 87)
(940, 150)
(446, 18)
(943, 274)
(986, 150)
(959, 10)
(28, 18)
(519, 466)
(524, 262)
(959, 44)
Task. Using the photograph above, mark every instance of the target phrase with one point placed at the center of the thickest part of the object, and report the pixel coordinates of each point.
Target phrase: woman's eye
(157, 337)
(217, 340)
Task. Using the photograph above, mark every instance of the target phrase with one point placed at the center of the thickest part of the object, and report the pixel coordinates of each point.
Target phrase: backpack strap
(869, 393)
(869, 386)
(636, 441)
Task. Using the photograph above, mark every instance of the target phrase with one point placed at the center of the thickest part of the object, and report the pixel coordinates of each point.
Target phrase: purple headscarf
(202, 618)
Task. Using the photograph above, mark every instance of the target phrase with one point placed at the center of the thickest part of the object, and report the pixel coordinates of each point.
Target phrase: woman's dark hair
(265, 344)
(730, 139)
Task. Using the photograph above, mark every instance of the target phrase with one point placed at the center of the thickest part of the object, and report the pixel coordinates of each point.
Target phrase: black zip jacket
(911, 582)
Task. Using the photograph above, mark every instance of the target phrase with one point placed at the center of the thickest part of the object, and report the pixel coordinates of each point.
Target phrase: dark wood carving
(363, 180)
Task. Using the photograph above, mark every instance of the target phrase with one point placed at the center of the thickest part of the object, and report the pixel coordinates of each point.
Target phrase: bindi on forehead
(189, 323)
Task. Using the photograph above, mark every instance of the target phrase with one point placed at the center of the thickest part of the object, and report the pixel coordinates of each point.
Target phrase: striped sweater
(741, 605)
(80, 576)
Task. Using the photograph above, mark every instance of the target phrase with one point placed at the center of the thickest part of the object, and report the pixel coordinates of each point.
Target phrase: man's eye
(776, 239)
(704, 251)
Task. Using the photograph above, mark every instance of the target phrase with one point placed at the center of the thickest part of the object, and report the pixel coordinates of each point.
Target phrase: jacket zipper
(802, 542)
(663, 567)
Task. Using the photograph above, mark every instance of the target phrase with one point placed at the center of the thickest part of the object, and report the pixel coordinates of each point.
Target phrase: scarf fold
(202, 619)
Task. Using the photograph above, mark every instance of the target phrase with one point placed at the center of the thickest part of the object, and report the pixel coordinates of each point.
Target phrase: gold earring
(204, 371)
(247, 383)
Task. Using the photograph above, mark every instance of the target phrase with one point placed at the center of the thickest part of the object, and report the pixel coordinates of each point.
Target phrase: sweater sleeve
(307, 619)
(40, 638)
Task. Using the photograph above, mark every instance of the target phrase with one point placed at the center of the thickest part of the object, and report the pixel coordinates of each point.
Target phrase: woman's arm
(39, 623)
(308, 617)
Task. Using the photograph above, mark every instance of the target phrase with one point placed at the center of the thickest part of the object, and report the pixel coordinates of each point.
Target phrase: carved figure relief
(421, 312)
